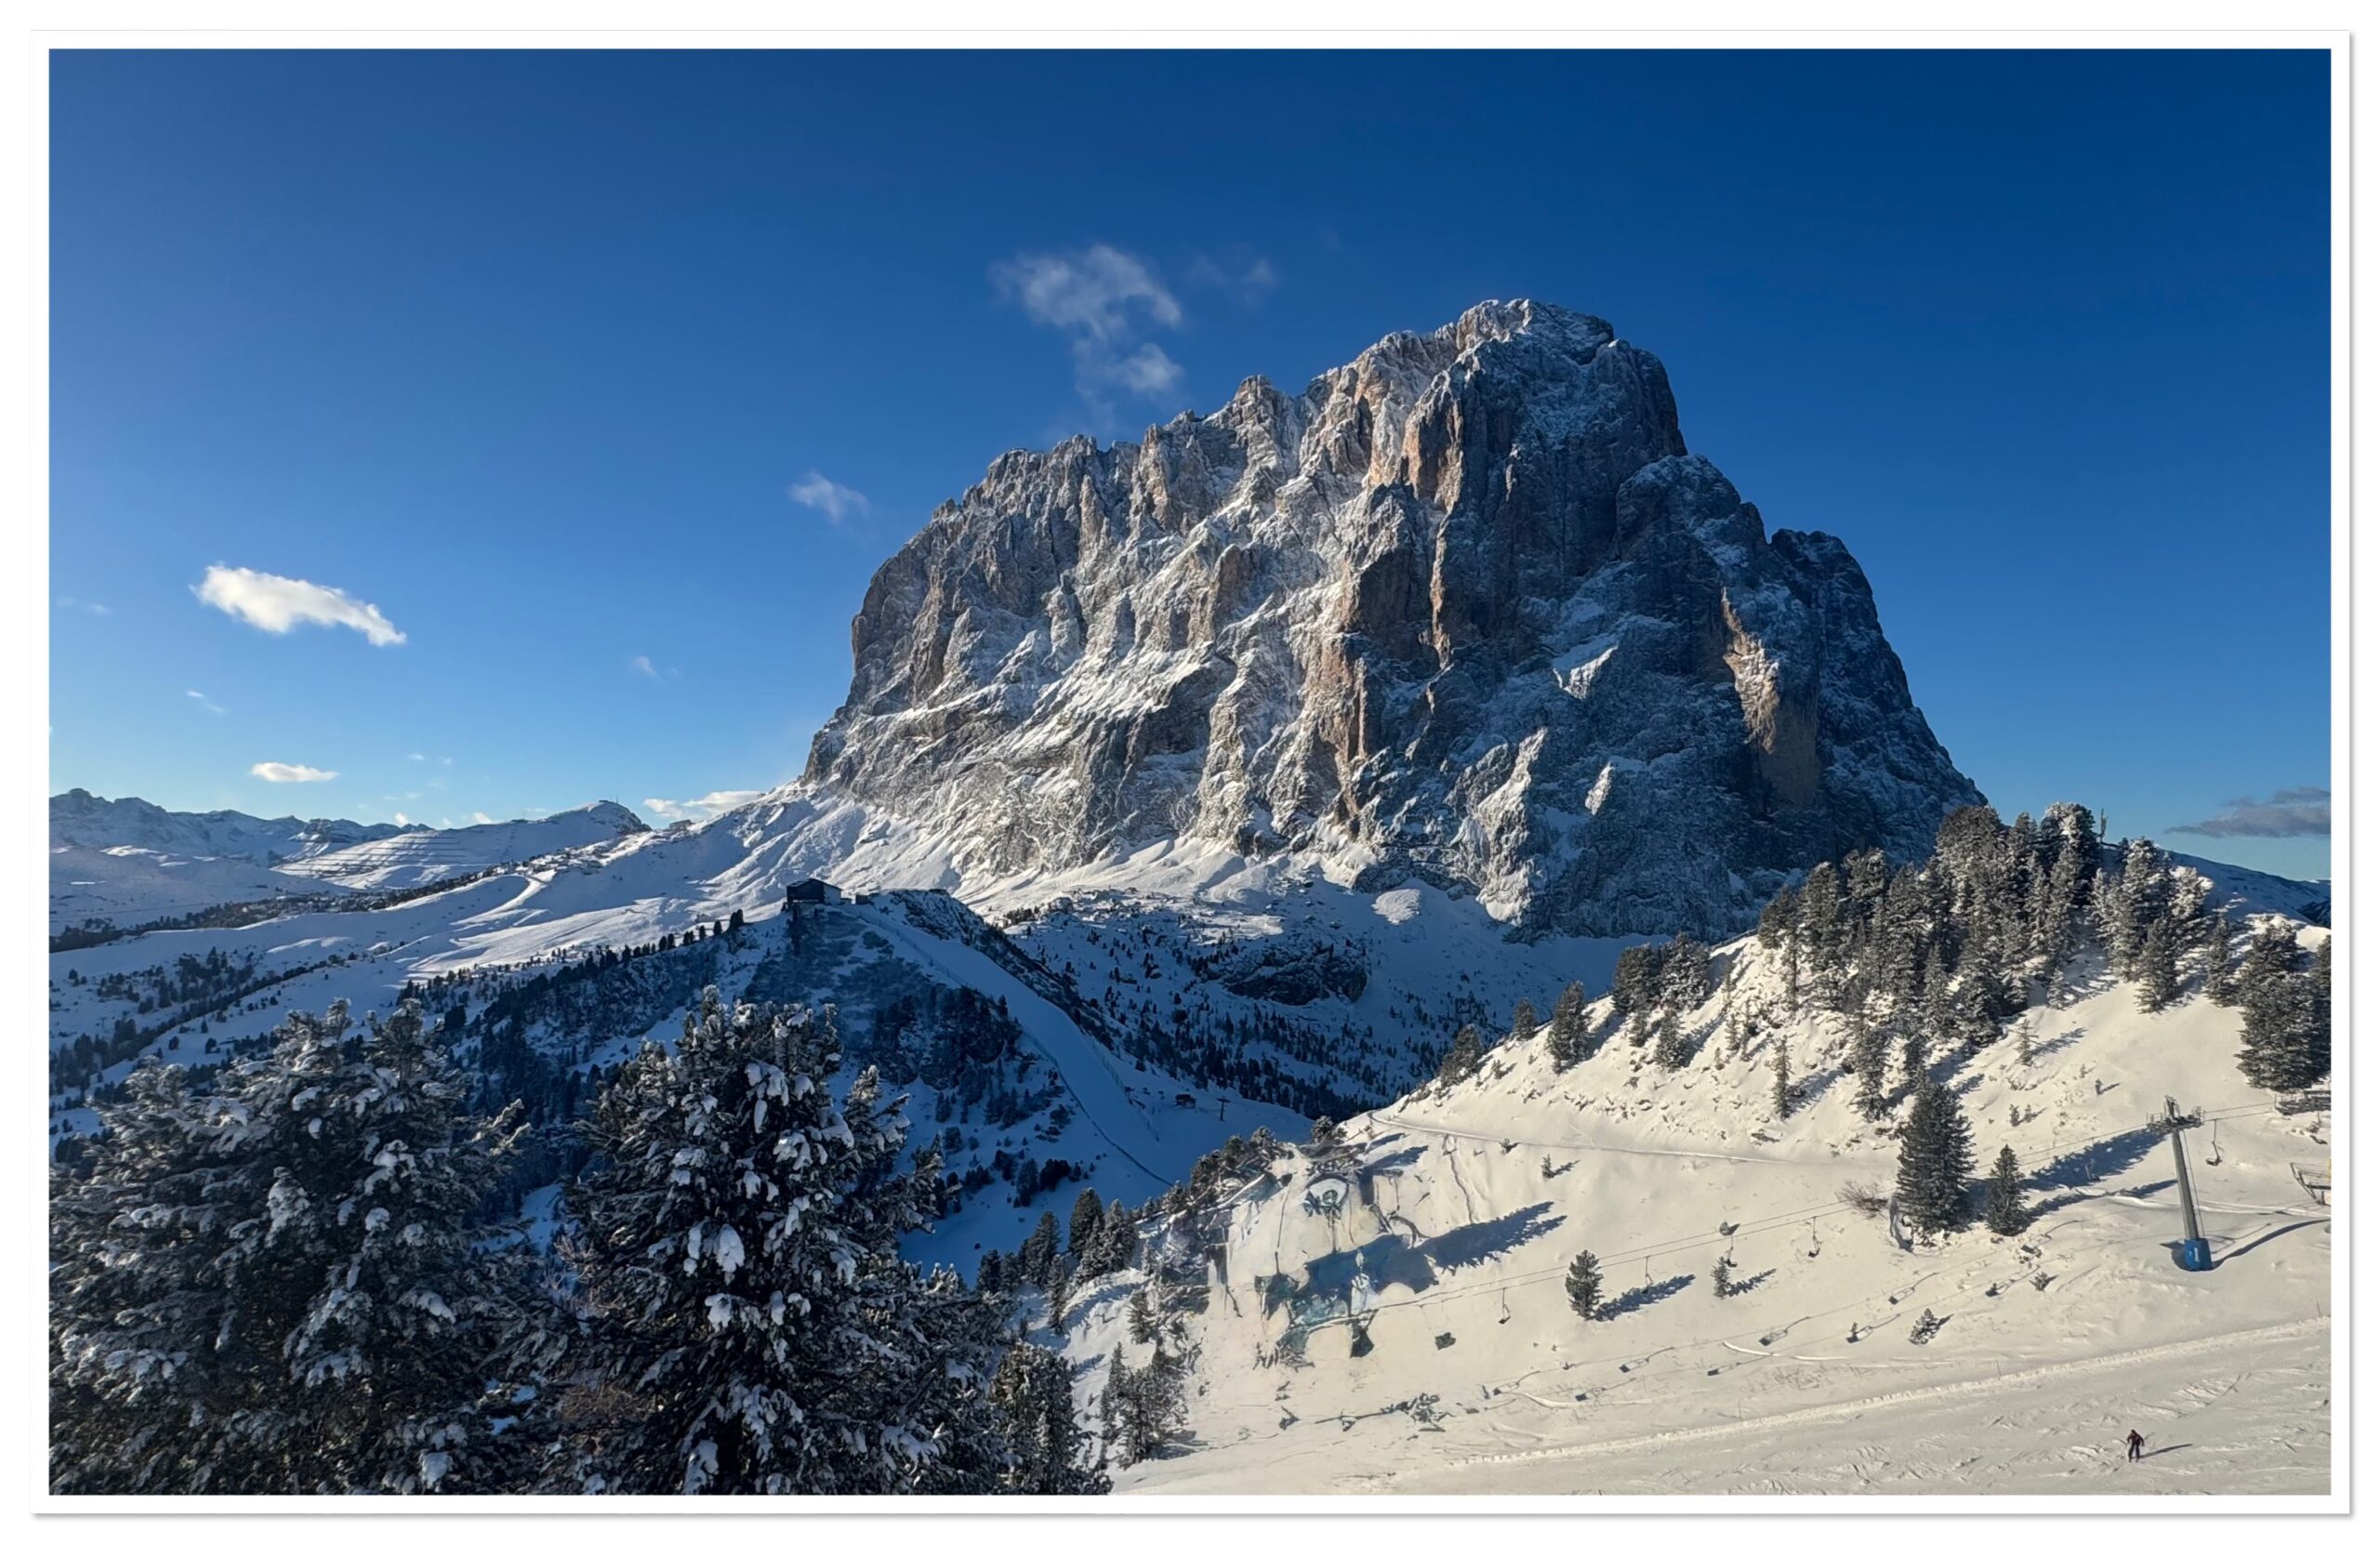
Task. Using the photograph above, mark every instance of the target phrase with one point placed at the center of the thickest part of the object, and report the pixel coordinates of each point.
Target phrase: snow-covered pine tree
(1082, 1228)
(275, 1286)
(2284, 1013)
(1043, 1451)
(1142, 1407)
(1777, 920)
(1685, 973)
(1670, 1047)
(1937, 1160)
(1566, 1039)
(1584, 1284)
(2157, 965)
(1039, 1247)
(2214, 960)
(2004, 1211)
(749, 1325)
(1780, 1092)
(1723, 1277)
(1143, 1317)
(1059, 1286)
(1523, 1019)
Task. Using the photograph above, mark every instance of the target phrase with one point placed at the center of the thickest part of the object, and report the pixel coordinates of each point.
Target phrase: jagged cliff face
(1464, 610)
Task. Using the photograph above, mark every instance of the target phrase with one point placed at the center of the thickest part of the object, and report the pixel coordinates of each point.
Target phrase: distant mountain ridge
(84, 819)
(424, 856)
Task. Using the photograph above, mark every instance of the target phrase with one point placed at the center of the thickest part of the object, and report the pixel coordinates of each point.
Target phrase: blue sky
(532, 354)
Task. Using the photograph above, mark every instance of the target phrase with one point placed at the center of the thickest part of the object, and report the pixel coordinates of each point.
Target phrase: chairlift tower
(2196, 1256)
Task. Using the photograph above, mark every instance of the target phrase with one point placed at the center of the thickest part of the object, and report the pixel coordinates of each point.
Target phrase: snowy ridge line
(1938, 1390)
(1418, 1128)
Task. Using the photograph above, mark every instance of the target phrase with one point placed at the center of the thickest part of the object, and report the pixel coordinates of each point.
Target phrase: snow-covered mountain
(1466, 610)
(422, 856)
(83, 819)
(1392, 1313)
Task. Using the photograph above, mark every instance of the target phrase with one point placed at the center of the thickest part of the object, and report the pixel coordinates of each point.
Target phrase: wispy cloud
(202, 700)
(414, 756)
(704, 808)
(1247, 275)
(1107, 300)
(2291, 813)
(291, 771)
(816, 490)
(480, 817)
(278, 604)
(90, 608)
(402, 818)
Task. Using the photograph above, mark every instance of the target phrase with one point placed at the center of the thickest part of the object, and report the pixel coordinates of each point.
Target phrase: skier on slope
(2131, 1446)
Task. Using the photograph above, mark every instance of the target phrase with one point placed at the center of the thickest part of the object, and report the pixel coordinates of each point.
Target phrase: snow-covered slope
(1416, 1336)
(84, 819)
(422, 856)
(129, 886)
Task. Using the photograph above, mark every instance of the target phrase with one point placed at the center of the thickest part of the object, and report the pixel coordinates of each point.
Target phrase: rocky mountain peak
(1464, 608)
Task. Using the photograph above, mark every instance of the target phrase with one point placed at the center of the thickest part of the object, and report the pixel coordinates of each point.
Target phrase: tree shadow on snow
(1476, 1243)
(2108, 1157)
(1644, 1296)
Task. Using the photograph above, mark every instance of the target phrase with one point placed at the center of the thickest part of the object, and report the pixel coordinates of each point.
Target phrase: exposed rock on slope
(1466, 610)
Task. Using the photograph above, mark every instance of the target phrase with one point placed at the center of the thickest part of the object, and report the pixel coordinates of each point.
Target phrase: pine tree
(1463, 1058)
(1585, 1286)
(1870, 1059)
(1523, 1019)
(2004, 1211)
(1039, 1247)
(274, 1286)
(1043, 1452)
(2157, 965)
(1781, 1083)
(2214, 960)
(1723, 1277)
(750, 1324)
(1566, 1039)
(1143, 1320)
(1670, 1047)
(1936, 1159)
(1326, 1132)
(1083, 1226)
(1142, 1407)
(1059, 1286)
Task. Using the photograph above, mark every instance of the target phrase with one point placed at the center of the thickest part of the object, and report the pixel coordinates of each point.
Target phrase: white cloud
(1147, 371)
(276, 605)
(830, 498)
(1247, 275)
(400, 818)
(1105, 299)
(704, 808)
(290, 771)
(202, 700)
(414, 756)
(68, 602)
(481, 818)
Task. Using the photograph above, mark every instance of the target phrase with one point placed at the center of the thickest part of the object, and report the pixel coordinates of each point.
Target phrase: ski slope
(1458, 1212)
